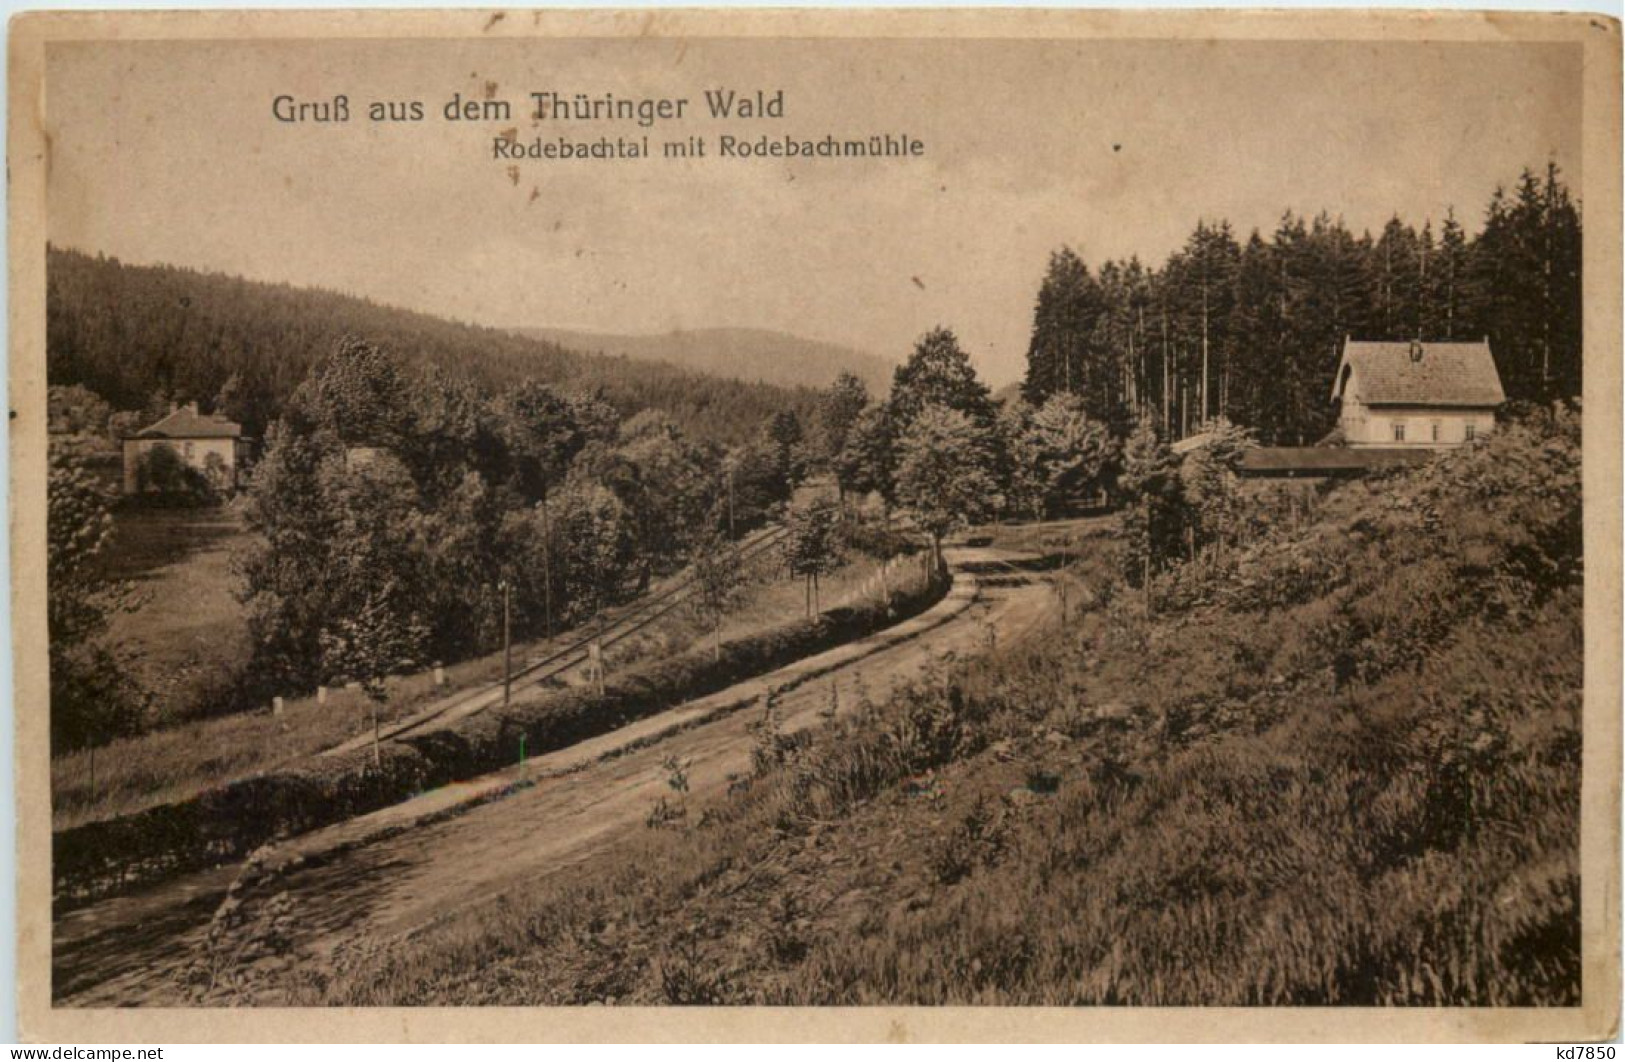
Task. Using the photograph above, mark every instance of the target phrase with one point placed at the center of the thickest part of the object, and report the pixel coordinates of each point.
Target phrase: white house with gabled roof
(209, 442)
(1416, 394)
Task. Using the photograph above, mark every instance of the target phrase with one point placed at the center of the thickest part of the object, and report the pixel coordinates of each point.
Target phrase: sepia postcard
(838, 524)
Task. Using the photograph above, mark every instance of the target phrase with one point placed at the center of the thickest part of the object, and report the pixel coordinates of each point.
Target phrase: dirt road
(369, 880)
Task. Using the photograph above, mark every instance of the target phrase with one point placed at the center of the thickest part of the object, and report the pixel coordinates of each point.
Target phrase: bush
(872, 538)
(163, 477)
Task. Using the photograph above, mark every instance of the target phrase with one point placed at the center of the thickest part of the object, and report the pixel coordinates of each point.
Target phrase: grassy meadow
(189, 633)
(1338, 765)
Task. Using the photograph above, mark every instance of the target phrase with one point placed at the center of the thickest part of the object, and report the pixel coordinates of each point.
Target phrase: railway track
(619, 625)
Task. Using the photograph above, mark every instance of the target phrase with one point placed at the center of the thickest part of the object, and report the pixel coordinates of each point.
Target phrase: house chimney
(191, 407)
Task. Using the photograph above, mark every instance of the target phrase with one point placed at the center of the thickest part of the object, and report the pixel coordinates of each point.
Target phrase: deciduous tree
(947, 473)
(812, 548)
(718, 582)
(838, 412)
(93, 695)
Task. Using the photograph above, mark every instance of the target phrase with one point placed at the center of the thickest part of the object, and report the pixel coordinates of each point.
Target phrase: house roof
(1421, 374)
(1326, 460)
(187, 423)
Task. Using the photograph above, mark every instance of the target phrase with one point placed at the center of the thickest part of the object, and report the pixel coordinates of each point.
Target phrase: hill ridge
(741, 352)
(135, 333)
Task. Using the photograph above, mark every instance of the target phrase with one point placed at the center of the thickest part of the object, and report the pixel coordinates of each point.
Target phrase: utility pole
(1066, 547)
(1202, 416)
(547, 567)
(731, 537)
(1145, 576)
(595, 664)
(507, 646)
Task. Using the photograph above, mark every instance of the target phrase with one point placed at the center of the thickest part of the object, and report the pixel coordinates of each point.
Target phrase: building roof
(187, 423)
(1192, 442)
(1326, 460)
(1421, 374)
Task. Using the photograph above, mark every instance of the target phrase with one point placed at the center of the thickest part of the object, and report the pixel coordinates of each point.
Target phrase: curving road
(390, 873)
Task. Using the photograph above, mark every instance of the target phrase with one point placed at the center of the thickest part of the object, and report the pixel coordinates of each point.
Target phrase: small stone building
(1416, 394)
(208, 442)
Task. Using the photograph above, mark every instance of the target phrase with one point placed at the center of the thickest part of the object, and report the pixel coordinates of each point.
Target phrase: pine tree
(1564, 294)
(1456, 309)
(1428, 300)
(784, 431)
(938, 373)
(1060, 354)
(1396, 274)
(1256, 357)
(1118, 348)
(1526, 268)
(1214, 258)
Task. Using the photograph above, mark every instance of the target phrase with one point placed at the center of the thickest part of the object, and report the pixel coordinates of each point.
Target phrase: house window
(187, 447)
(1399, 431)
(1435, 431)
(1471, 431)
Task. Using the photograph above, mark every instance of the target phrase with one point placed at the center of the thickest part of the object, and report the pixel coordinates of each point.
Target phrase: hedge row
(101, 858)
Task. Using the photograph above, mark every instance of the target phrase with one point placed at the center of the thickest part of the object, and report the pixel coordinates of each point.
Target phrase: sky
(168, 151)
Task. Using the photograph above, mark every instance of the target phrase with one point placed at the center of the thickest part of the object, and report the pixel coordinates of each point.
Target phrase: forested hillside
(749, 354)
(1250, 330)
(143, 336)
